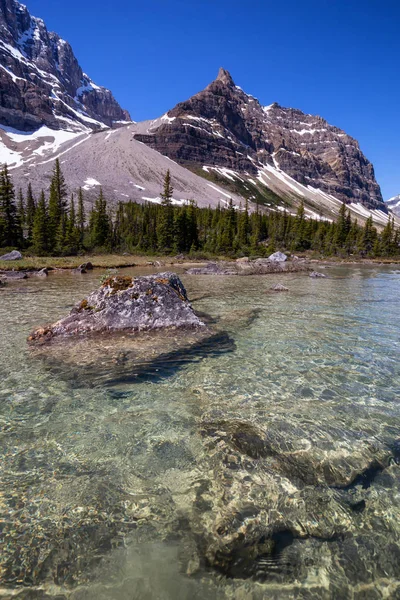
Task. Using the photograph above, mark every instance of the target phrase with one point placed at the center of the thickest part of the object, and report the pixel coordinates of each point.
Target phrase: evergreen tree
(21, 208)
(342, 228)
(243, 227)
(228, 229)
(367, 238)
(57, 205)
(30, 213)
(81, 218)
(99, 224)
(11, 230)
(72, 233)
(165, 224)
(168, 190)
(192, 242)
(40, 227)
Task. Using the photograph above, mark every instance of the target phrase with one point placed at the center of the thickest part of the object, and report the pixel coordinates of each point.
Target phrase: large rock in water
(128, 304)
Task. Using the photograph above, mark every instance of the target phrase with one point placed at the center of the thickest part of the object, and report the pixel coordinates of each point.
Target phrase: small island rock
(128, 304)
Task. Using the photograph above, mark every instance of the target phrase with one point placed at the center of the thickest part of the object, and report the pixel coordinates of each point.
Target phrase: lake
(262, 463)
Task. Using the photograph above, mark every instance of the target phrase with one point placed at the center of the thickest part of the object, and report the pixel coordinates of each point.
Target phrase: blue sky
(335, 58)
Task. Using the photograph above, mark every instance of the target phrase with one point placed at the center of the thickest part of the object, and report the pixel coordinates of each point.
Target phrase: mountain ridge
(41, 81)
(270, 155)
(235, 131)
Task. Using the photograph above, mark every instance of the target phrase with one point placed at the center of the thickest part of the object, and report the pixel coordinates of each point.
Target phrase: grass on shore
(109, 261)
(101, 261)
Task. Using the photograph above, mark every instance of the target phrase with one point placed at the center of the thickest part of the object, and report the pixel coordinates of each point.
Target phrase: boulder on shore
(14, 275)
(127, 304)
(14, 255)
(260, 266)
(278, 257)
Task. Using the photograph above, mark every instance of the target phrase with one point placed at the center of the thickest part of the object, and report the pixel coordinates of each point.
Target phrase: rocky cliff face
(41, 82)
(225, 127)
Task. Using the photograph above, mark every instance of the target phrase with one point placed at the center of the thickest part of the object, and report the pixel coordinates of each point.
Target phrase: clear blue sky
(336, 58)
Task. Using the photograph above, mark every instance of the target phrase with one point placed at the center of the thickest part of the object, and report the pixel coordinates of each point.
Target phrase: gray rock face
(278, 257)
(41, 81)
(128, 304)
(225, 127)
(14, 255)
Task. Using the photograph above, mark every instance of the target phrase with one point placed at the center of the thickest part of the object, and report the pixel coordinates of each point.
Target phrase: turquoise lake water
(263, 463)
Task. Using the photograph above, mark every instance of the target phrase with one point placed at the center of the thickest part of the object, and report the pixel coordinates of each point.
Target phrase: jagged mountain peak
(223, 126)
(225, 77)
(42, 82)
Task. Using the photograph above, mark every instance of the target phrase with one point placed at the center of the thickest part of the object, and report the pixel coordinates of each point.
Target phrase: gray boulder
(128, 304)
(316, 274)
(278, 257)
(14, 275)
(42, 273)
(86, 267)
(14, 255)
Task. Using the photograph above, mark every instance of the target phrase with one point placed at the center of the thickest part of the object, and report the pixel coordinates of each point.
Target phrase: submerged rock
(279, 288)
(284, 491)
(128, 304)
(316, 274)
(14, 255)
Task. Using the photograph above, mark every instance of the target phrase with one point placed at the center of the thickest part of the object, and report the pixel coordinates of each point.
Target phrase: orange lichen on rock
(118, 283)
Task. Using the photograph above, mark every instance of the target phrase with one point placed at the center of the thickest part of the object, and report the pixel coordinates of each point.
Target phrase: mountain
(125, 168)
(41, 82)
(219, 144)
(224, 127)
(394, 205)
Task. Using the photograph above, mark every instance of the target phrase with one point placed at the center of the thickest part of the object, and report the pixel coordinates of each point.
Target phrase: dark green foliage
(29, 214)
(40, 228)
(57, 206)
(171, 229)
(10, 225)
(165, 225)
(81, 219)
(100, 225)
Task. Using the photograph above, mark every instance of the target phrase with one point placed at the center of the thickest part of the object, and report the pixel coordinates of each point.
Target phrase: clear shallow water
(264, 465)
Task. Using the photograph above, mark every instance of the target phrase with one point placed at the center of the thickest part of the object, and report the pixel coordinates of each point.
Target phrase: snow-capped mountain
(393, 205)
(222, 126)
(41, 81)
(220, 144)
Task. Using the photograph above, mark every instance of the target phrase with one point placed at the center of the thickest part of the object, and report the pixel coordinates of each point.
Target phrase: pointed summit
(225, 77)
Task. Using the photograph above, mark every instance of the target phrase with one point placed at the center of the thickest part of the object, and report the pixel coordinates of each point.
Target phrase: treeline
(56, 225)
